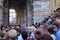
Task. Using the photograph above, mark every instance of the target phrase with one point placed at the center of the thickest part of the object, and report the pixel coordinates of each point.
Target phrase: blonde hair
(30, 29)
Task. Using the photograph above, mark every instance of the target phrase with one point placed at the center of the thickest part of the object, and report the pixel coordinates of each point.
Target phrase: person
(53, 35)
(58, 10)
(36, 25)
(58, 29)
(43, 23)
(58, 35)
(30, 31)
(11, 34)
(32, 36)
(38, 34)
(49, 20)
(20, 37)
(24, 34)
(3, 35)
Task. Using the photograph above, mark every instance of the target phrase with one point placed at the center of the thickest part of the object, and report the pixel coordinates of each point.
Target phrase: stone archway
(19, 7)
(24, 15)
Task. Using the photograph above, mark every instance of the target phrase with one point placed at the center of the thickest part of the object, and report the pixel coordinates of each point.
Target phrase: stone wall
(1, 12)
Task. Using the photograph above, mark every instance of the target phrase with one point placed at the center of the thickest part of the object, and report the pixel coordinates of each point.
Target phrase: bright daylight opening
(12, 16)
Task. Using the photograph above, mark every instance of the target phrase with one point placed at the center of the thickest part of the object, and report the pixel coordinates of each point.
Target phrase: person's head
(12, 33)
(58, 10)
(36, 23)
(30, 29)
(50, 30)
(2, 34)
(49, 16)
(19, 25)
(24, 34)
(46, 19)
(58, 23)
(21, 28)
(38, 33)
(45, 26)
(56, 14)
(53, 18)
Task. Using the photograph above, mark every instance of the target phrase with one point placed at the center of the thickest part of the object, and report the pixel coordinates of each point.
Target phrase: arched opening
(18, 6)
(12, 16)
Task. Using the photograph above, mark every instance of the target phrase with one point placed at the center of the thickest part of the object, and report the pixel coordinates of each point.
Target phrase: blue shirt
(58, 34)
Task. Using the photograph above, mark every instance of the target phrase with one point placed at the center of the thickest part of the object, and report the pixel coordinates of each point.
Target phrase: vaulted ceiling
(15, 3)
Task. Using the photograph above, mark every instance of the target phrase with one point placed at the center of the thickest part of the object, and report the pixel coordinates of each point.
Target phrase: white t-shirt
(53, 36)
(20, 37)
(32, 35)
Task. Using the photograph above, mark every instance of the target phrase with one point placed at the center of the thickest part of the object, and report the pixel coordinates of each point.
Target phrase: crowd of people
(48, 29)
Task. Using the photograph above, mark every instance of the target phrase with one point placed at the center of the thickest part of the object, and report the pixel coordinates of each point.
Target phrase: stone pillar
(1, 12)
(6, 17)
(29, 12)
(6, 13)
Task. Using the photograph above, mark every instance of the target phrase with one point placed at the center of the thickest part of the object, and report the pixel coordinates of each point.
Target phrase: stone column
(29, 12)
(6, 17)
(1, 12)
(6, 13)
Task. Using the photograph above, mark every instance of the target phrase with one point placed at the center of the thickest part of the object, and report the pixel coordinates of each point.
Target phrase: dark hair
(54, 10)
(38, 32)
(19, 25)
(24, 34)
(57, 9)
(47, 37)
(50, 30)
